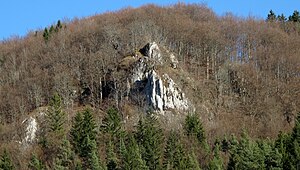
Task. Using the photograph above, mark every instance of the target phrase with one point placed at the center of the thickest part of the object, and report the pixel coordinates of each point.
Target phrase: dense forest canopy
(244, 71)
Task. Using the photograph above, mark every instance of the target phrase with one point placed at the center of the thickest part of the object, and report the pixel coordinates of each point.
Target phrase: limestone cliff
(161, 92)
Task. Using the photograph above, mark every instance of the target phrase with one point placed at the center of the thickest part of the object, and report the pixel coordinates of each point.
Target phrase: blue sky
(18, 17)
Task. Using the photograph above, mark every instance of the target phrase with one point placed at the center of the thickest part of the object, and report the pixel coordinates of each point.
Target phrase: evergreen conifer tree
(83, 130)
(55, 115)
(295, 17)
(51, 30)
(46, 34)
(192, 162)
(149, 137)
(35, 163)
(194, 128)
(111, 124)
(133, 158)
(246, 155)
(5, 161)
(58, 26)
(65, 156)
(281, 18)
(271, 16)
(112, 161)
(174, 156)
(93, 159)
(216, 163)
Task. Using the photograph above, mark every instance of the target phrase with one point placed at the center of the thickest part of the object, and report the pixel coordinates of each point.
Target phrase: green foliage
(5, 161)
(51, 30)
(131, 156)
(55, 115)
(124, 156)
(83, 131)
(150, 138)
(174, 156)
(112, 122)
(78, 164)
(271, 16)
(65, 157)
(112, 161)
(58, 26)
(295, 17)
(194, 128)
(282, 146)
(35, 163)
(192, 162)
(93, 159)
(281, 18)
(46, 34)
(216, 163)
(246, 155)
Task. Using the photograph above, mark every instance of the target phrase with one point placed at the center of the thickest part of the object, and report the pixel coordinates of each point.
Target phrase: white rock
(174, 61)
(174, 98)
(166, 96)
(154, 52)
(161, 93)
(140, 71)
(154, 91)
(31, 127)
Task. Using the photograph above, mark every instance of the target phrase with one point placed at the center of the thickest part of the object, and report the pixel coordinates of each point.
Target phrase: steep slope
(236, 73)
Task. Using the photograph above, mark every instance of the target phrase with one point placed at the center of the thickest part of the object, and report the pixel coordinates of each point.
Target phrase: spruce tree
(124, 156)
(192, 162)
(150, 138)
(133, 158)
(5, 161)
(112, 161)
(271, 16)
(35, 163)
(246, 155)
(65, 157)
(295, 17)
(46, 34)
(111, 124)
(55, 115)
(83, 130)
(51, 30)
(174, 156)
(93, 159)
(282, 144)
(281, 18)
(216, 163)
(58, 26)
(194, 128)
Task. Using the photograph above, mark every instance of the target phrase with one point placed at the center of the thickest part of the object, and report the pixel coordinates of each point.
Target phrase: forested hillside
(238, 77)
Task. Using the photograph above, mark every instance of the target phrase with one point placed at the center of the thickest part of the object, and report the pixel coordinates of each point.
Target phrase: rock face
(162, 93)
(174, 61)
(152, 51)
(155, 92)
(31, 127)
(140, 71)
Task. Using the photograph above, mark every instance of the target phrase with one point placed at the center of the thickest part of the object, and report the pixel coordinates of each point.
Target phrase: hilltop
(235, 74)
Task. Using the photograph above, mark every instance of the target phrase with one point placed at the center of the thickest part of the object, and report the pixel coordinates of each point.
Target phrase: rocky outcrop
(31, 126)
(152, 51)
(140, 71)
(174, 98)
(155, 92)
(174, 61)
(162, 93)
